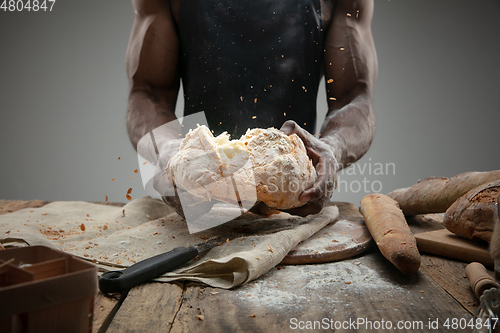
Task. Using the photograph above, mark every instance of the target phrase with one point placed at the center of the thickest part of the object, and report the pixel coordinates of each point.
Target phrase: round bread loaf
(264, 165)
(472, 215)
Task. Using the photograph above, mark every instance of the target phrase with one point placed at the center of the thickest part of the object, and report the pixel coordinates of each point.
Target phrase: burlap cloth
(117, 237)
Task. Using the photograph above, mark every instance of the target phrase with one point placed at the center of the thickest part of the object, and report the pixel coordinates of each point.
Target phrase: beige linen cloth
(117, 237)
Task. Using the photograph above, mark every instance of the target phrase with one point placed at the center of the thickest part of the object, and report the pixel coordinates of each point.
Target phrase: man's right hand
(191, 207)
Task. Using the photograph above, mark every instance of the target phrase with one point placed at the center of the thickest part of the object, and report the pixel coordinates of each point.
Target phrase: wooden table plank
(450, 275)
(151, 307)
(103, 306)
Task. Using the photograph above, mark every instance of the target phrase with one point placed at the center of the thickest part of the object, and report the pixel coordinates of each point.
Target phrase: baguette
(472, 215)
(437, 194)
(391, 233)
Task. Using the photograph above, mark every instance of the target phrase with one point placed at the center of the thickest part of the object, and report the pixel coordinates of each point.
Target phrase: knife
(145, 270)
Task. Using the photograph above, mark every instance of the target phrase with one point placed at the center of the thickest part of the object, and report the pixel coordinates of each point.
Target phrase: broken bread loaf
(263, 165)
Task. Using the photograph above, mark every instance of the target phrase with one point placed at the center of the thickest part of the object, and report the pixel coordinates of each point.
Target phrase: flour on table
(290, 286)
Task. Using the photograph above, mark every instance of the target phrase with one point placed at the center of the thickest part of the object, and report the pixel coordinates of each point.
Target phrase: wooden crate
(45, 290)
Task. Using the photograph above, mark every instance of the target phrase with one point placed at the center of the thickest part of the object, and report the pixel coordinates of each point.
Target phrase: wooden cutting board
(344, 238)
(446, 244)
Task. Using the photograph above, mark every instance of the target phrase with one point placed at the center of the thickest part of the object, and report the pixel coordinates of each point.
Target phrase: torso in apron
(250, 64)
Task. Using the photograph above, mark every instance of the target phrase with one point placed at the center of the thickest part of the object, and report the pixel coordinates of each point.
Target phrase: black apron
(251, 63)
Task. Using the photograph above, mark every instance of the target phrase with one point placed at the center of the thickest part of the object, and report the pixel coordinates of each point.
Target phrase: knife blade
(148, 269)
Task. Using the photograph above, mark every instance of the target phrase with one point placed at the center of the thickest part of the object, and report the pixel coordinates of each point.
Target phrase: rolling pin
(479, 278)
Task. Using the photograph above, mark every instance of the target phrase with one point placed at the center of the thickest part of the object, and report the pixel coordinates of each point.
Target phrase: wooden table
(366, 290)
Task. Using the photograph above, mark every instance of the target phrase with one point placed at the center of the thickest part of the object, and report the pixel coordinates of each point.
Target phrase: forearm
(350, 72)
(151, 62)
(349, 130)
(145, 113)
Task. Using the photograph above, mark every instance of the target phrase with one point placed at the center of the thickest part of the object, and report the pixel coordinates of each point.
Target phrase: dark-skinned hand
(323, 158)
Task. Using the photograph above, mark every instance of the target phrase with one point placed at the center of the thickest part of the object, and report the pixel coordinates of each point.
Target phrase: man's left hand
(323, 158)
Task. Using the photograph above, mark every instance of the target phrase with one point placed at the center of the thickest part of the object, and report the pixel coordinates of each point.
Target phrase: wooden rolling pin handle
(479, 278)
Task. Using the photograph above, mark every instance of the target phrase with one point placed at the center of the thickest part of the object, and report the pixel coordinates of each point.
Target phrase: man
(258, 64)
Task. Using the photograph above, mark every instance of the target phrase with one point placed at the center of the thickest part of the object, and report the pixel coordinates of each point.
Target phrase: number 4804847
(27, 5)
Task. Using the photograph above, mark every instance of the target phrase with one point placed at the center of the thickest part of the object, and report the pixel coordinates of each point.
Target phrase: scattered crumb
(113, 179)
(349, 282)
(136, 171)
(82, 227)
(123, 213)
(329, 81)
(270, 248)
(44, 213)
(106, 198)
(253, 316)
(214, 292)
(200, 317)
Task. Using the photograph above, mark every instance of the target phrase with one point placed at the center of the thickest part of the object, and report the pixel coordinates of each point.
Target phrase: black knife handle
(145, 270)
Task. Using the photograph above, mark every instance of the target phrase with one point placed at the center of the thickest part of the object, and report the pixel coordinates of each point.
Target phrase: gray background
(63, 94)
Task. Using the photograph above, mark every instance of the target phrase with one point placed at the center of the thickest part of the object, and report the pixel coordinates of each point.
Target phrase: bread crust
(472, 215)
(388, 227)
(437, 194)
